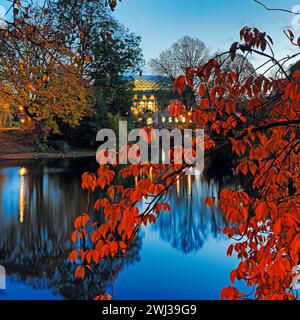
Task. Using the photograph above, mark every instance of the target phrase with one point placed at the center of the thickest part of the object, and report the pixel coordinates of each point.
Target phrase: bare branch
(276, 9)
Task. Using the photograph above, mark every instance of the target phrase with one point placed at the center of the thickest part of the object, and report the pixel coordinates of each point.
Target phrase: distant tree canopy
(185, 53)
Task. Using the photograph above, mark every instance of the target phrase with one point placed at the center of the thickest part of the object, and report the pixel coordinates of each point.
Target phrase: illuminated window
(163, 119)
(170, 119)
(183, 120)
(142, 104)
(149, 121)
(150, 106)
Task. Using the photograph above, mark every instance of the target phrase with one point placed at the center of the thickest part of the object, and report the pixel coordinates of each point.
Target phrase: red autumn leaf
(291, 35)
(73, 256)
(111, 192)
(201, 90)
(232, 276)
(262, 211)
(179, 84)
(210, 201)
(79, 272)
(229, 250)
(233, 50)
(277, 227)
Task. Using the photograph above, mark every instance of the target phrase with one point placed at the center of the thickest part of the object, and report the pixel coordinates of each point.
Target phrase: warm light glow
(183, 120)
(136, 112)
(178, 186)
(151, 173)
(22, 120)
(22, 172)
(149, 121)
(190, 185)
(163, 119)
(170, 119)
(176, 120)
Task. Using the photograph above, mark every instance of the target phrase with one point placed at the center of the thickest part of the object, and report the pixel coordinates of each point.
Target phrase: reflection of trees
(191, 222)
(94, 283)
(36, 251)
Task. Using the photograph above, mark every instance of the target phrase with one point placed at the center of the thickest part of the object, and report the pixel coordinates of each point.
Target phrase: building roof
(141, 84)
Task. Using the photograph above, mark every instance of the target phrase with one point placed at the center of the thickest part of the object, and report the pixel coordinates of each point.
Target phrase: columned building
(145, 99)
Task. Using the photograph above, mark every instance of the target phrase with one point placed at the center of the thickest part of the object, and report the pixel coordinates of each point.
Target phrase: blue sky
(216, 22)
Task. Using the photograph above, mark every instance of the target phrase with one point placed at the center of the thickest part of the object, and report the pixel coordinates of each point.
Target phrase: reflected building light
(22, 172)
(151, 173)
(189, 185)
(178, 186)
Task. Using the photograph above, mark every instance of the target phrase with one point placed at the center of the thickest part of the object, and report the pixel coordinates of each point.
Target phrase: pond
(182, 256)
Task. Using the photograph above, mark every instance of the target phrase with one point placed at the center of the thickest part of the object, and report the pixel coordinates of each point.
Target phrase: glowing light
(190, 185)
(178, 186)
(176, 120)
(22, 203)
(135, 112)
(22, 120)
(23, 171)
(149, 121)
(183, 120)
(151, 173)
(163, 119)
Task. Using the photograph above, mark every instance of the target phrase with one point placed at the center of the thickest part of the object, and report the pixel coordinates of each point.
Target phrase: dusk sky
(161, 22)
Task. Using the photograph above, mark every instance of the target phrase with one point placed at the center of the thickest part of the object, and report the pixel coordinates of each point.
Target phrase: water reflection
(38, 203)
(190, 222)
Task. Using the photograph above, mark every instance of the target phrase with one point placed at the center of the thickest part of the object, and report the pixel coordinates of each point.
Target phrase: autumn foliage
(259, 118)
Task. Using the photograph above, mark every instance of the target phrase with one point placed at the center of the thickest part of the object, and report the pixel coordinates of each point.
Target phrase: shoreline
(47, 155)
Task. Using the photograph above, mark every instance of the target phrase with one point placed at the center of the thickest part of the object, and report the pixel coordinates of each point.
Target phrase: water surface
(182, 256)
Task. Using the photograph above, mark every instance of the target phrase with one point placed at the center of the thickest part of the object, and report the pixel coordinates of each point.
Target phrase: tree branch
(276, 9)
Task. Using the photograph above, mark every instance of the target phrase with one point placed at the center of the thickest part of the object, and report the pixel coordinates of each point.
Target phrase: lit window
(183, 120)
(163, 119)
(170, 119)
(149, 121)
(150, 106)
(142, 104)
